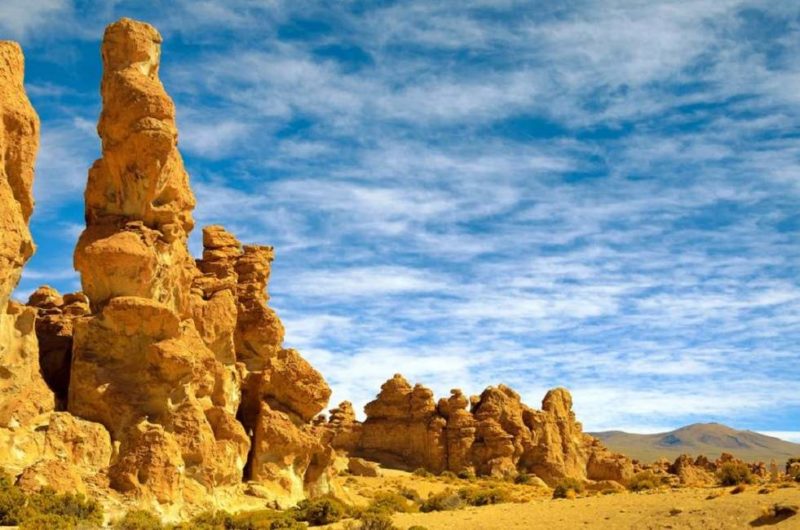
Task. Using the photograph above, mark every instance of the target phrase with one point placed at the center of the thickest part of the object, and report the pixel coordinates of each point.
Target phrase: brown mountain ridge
(709, 439)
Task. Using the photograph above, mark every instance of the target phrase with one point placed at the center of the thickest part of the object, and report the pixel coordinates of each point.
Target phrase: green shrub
(389, 503)
(443, 501)
(645, 480)
(376, 521)
(320, 511)
(138, 520)
(483, 496)
(567, 485)
(733, 473)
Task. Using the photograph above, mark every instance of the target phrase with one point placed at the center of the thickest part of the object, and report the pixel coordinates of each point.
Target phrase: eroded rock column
(140, 365)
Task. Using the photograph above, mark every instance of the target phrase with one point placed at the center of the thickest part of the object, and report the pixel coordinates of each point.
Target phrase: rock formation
(497, 435)
(181, 361)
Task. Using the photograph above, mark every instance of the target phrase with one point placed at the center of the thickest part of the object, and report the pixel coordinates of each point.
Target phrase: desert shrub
(12, 504)
(448, 475)
(483, 496)
(417, 527)
(389, 503)
(523, 478)
(409, 493)
(442, 501)
(741, 488)
(320, 511)
(466, 474)
(376, 521)
(567, 485)
(249, 520)
(41, 521)
(218, 520)
(422, 472)
(45, 509)
(645, 480)
(66, 505)
(138, 520)
(733, 473)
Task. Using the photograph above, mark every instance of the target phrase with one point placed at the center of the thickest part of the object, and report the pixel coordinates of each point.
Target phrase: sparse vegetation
(523, 478)
(389, 503)
(422, 472)
(45, 509)
(443, 501)
(448, 475)
(138, 520)
(376, 521)
(646, 480)
(733, 473)
(567, 485)
(410, 494)
(482, 496)
(320, 511)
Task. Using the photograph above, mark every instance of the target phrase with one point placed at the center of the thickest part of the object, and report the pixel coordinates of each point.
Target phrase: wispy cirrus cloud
(600, 195)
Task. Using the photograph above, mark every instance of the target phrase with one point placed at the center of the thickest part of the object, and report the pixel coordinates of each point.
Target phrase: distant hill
(709, 439)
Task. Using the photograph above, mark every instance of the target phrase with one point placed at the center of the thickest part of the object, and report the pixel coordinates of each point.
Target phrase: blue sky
(602, 195)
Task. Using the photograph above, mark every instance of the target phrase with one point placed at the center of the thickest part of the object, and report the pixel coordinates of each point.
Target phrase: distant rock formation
(491, 434)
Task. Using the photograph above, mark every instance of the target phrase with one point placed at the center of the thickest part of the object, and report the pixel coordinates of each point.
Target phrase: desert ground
(534, 507)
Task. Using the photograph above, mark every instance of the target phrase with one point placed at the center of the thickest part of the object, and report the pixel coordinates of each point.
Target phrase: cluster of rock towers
(165, 380)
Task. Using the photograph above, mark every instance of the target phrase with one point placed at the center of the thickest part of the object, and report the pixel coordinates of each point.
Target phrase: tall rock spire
(140, 367)
(182, 361)
(138, 200)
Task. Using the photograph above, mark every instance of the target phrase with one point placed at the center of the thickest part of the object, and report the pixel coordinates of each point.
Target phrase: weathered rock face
(42, 447)
(19, 143)
(23, 393)
(498, 435)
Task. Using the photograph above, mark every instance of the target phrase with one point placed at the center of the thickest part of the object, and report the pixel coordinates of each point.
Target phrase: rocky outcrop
(491, 434)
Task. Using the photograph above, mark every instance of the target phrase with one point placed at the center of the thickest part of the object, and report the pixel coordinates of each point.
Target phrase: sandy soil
(695, 508)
